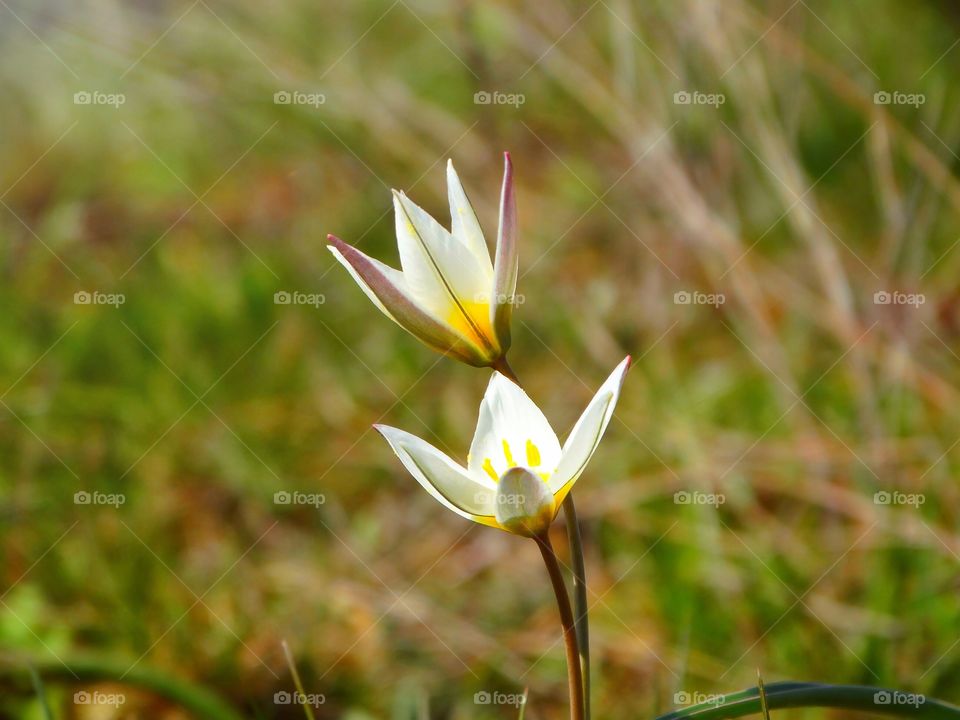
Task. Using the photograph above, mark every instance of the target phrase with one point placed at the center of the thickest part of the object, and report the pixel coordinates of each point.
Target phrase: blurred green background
(785, 188)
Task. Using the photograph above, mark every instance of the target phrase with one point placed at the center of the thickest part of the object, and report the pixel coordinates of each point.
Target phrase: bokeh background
(735, 151)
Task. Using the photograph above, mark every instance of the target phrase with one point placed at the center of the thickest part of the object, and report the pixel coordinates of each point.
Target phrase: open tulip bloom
(449, 294)
(517, 473)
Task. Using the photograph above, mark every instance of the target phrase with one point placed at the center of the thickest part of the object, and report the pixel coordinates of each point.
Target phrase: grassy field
(732, 154)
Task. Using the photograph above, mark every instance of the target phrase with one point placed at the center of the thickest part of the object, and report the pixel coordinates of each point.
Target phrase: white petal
(440, 270)
(511, 432)
(394, 276)
(506, 265)
(585, 436)
(440, 476)
(389, 291)
(464, 223)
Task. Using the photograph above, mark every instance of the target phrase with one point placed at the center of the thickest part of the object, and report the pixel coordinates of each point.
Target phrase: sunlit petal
(440, 476)
(464, 224)
(586, 434)
(389, 290)
(511, 432)
(506, 262)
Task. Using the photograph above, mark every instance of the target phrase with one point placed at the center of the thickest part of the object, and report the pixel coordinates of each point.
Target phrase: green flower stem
(581, 619)
(503, 367)
(199, 701)
(580, 608)
(796, 694)
(574, 675)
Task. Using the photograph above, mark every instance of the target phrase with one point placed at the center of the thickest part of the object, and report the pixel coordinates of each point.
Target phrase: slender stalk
(580, 608)
(297, 682)
(574, 674)
(581, 618)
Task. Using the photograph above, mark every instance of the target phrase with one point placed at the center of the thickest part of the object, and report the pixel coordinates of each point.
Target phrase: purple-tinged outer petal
(399, 306)
(505, 266)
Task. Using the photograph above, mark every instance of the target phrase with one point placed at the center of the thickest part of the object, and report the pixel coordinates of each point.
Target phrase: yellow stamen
(488, 469)
(508, 455)
(533, 454)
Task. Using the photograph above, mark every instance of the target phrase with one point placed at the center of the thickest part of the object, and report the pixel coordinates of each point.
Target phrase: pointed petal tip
(335, 243)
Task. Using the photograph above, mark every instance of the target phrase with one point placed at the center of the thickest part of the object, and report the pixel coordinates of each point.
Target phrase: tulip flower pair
(454, 299)
(451, 297)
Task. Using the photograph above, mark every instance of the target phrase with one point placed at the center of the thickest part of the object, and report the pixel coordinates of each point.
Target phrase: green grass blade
(795, 694)
(41, 693)
(199, 701)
